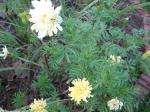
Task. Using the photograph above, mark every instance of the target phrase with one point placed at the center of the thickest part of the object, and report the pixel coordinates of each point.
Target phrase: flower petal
(57, 10)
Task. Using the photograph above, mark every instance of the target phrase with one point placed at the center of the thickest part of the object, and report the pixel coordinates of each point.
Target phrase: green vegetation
(19, 99)
(81, 50)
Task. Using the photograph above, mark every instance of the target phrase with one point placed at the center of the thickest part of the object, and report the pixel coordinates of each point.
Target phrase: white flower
(45, 18)
(4, 53)
(126, 18)
(112, 57)
(115, 58)
(114, 104)
(118, 59)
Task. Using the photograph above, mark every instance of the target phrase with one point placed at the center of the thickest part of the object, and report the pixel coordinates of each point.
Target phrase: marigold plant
(73, 56)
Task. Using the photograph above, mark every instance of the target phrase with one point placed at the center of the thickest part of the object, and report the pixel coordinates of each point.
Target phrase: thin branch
(14, 68)
(89, 6)
(28, 61)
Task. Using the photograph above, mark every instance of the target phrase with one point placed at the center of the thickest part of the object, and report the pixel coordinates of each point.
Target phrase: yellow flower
(24, 16)
(45, 18)
(114, 104)
(146, 54)
(4, 53)
(81, 90)
(38, 106)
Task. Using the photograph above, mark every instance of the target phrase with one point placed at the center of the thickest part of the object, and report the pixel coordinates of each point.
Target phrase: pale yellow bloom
(45, 18)
(114, 104)
(146, 54)
(4, 53)
(80, 91)
(38, 106)
(115, 58)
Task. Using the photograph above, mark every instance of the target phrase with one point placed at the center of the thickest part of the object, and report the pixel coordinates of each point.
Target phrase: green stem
(59, 101)
(28, 61)
(89, 6)
(13, 68)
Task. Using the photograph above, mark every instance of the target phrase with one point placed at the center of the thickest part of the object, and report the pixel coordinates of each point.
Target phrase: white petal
(57, 10)
(59, 27)
(49, 3)
(31, 19)
(50, 33)
(55, 30)
(1, 55)
(35, 3)
(33, 27)
(41, 35)
(59, 19)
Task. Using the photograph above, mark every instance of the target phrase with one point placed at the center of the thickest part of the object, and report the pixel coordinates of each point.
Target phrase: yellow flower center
(53, 17)
(46, 18)
(43, 18)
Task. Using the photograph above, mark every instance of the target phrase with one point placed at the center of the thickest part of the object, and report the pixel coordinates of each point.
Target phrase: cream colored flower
(118, 59)
(112, 57)
(45, 18)
(146, 55)
(38, 106)
(114, 104)
(81, 90)
(115, 58)
(127, 19)
(4, 53)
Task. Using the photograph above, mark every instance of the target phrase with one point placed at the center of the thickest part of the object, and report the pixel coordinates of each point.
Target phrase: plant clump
(68, 60)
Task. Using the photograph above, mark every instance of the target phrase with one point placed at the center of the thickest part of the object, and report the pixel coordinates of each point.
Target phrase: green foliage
(87, 59)
(55, 106)
(44, 85)
(14, 9)
(8, 38)
(2, 7)
(19, 99)
(146, 7)
(81, 50)
(16, 6)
